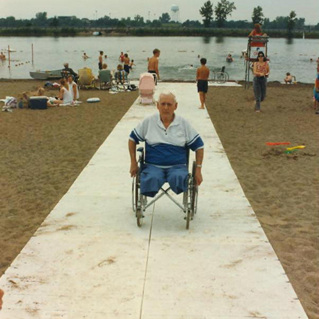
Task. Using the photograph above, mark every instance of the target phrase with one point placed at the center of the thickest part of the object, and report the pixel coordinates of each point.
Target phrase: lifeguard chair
(255, 44)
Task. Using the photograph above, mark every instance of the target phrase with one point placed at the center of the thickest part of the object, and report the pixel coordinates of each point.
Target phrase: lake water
(177, 55)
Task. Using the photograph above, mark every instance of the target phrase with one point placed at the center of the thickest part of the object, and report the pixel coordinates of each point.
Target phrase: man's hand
(198, 176)
(133, 169)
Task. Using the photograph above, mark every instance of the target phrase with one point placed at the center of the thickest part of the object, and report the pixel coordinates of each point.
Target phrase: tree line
(212, 17)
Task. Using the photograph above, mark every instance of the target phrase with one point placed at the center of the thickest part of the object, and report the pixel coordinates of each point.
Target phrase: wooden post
(32, 53)
(9, 56)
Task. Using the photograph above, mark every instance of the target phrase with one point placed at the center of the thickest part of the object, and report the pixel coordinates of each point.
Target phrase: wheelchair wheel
(138, 201)
(192, 197)
(221, 77)
(188, 206)
(134, 194)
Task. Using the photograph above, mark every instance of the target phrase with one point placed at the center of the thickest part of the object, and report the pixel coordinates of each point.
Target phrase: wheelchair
(139, 201)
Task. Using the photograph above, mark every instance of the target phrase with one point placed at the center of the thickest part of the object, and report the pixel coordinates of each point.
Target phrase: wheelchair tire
(188, 218)
(139, 217)
(188, 207)
(221, 77)
(134, 191)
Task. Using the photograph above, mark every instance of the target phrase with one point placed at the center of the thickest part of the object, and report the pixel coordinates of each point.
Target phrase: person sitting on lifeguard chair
(167, 137)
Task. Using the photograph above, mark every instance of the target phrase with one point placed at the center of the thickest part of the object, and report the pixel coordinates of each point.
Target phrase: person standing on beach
(126, 62)
(153, 64)
(261, 72)
(202, 76)
(100, 60)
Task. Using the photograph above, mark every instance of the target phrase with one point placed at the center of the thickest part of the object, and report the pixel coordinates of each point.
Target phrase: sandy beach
(282, 188)
(43, 151)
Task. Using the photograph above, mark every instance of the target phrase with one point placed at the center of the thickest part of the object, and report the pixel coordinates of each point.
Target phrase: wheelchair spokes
(138, 201)
(188, 206)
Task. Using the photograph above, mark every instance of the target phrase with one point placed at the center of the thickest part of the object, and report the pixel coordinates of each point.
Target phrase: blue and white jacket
(166, 146)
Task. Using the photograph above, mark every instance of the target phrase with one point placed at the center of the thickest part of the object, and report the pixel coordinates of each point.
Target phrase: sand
(42, 153)
(282, 188)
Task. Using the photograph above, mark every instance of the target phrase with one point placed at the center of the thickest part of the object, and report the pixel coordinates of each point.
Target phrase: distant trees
(192, 24)
(291, 22)
(164, 18)
(257, 15)
(206, 12)
(138, 21)
(223, 9)
(41, 19)
(213, 16)
(54, 22)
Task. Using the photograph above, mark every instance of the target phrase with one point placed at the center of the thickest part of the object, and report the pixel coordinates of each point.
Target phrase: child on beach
(288, 78)
(132, 64)
(202, 76)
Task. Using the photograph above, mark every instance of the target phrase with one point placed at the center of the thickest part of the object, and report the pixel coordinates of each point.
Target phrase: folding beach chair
(86, 79)
(105, 79)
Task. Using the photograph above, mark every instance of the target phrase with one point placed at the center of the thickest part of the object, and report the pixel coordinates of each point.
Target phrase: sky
(151, 9)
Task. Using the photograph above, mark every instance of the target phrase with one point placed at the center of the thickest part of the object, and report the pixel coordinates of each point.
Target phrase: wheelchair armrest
(141, 156)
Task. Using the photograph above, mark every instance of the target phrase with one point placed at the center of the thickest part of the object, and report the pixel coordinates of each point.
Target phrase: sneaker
(317, 112)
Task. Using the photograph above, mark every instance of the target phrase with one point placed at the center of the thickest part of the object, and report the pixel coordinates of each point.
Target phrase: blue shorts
(202, 86)
(316, 94)
(153, 178)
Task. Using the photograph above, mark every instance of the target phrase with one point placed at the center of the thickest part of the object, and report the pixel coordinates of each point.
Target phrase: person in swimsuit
(261, 72)
(73, 88)
(153, 64)
(65, 96)
(202, 76)
(126, 62)
(121, 57)
(229, 58)
(288, 78)
(100, 60)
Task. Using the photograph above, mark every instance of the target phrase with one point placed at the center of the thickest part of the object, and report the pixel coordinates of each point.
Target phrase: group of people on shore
(125, 62)
(68, 93)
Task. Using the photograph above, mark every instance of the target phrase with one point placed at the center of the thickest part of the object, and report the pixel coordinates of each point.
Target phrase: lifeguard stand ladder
(255, 44)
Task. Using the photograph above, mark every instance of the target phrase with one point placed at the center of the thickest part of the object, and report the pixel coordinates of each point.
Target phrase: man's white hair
(167, 93)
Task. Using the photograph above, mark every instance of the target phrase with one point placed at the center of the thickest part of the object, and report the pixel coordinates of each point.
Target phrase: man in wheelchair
(167, 137)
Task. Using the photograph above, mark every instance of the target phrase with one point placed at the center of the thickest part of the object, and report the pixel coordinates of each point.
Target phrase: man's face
(166, 106)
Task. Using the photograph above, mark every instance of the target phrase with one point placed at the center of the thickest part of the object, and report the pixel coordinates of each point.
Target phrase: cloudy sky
(152, 9)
